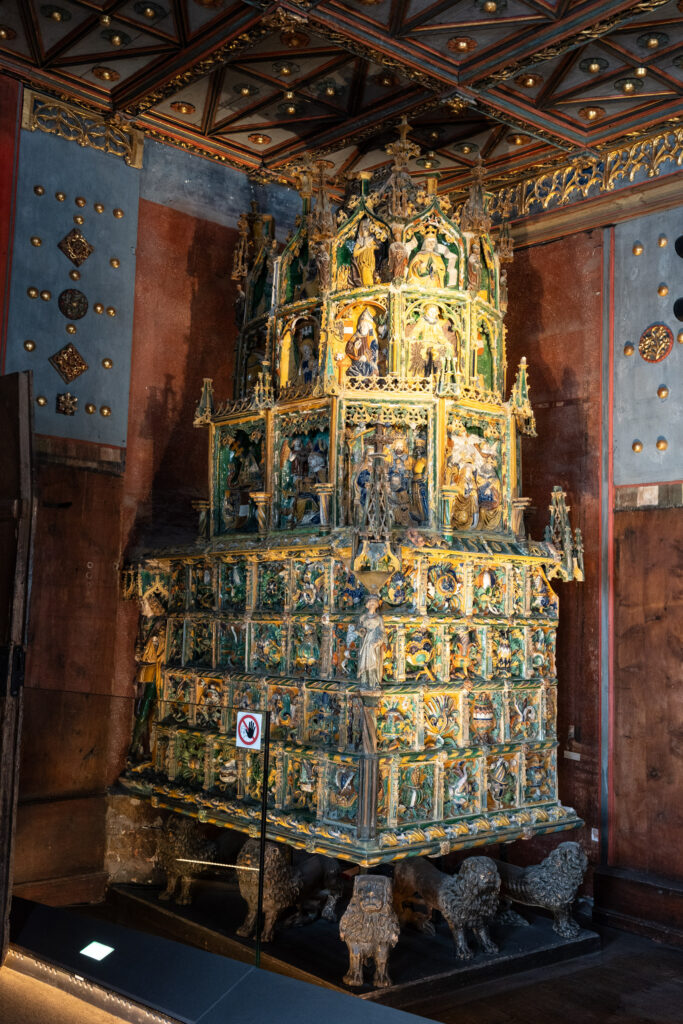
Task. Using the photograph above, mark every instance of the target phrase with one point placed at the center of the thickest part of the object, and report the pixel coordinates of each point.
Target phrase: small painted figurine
(398, 256)
(370, 929)
(371, 656)
(149, 655)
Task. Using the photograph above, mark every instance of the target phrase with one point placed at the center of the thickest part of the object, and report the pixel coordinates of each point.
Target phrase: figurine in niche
(239, 307)
(244, 475)
(466, 900)
(371, 655)
(552, 884)
(321, 253)
(363, 258)
(427, 266)
(432, 343)
(149, 654)
(363, 348)
(307, 352)
(303, 463)
(398, 255)
(370, 929)
(489, 490)
(503, 290)
(474, 268)
(484, 365)
(181, 837)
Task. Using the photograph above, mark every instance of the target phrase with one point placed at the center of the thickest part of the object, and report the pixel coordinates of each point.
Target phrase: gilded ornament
(105, 410)
(39, 190)
(36, 241)
(111, 311)
(629, 348)
(60, 196)
(679, 337)
(106, 74)
(637, 446)
(462, 44)
(32, 292)
(46, 295)
(592, 113)
(149, 11)
(67, 404)
(115, 263)
(78, 219)
(41, 400)
(529, 81)
(662, 241)
(73, 304)
(98, 307)
(107, 363)
(70, 329)
(663, 289)
(69, 363)
(80, 201)
(662, 392)
(98, 207)
(76, 247)
(6, 33)
(640, 72)
(661, 444)
(29, 345)
(259, 139)
(118, 213)
(180, 107)
(637, 249)
(90, 408)
(75, 275)
(593, 65)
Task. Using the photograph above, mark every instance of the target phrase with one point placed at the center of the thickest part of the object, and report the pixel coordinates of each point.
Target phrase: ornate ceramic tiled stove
(363, 570)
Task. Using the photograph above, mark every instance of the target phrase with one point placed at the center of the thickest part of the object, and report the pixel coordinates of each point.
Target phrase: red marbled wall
(555, 320)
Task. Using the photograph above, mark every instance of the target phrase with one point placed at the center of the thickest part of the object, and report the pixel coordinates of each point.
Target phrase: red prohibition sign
(249, 730)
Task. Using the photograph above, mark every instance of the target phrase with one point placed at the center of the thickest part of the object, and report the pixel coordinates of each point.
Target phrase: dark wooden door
(16, 522)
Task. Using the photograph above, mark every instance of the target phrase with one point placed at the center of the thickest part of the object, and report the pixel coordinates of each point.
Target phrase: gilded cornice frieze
(615, 168)
(108, 135)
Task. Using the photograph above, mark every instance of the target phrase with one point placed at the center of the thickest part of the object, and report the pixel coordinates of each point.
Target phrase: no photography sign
(249, 729)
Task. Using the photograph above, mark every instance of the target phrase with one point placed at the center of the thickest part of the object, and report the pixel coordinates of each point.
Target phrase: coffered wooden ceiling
(525, 83)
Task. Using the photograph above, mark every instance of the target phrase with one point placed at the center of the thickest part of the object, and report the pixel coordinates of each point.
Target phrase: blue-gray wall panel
(638, 413)
(59, 165)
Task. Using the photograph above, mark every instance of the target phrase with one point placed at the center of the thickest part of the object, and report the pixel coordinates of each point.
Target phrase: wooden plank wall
(647, 752)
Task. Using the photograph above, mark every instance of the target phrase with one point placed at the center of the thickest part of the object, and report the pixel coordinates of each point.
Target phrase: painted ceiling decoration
(523, 84)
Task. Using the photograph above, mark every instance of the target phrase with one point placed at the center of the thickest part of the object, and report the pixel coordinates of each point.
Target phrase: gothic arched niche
(361, 252)
(362, 345)
(298, 351)
(433, 339)
(435, 253)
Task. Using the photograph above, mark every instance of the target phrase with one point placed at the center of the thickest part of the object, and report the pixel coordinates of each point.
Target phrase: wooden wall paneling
(647, 758)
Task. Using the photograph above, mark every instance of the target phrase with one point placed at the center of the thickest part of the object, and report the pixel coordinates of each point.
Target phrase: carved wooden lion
(552, 884)
(370, 929)
(466, 900)
(182, 846)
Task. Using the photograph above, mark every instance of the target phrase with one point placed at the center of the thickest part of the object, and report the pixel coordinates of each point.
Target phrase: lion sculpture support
(466, 900)
(552, 884)
(180, 843)
(370, 929)
(313, 887)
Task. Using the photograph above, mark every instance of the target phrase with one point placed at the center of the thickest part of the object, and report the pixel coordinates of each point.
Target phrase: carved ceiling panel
(521, 82)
